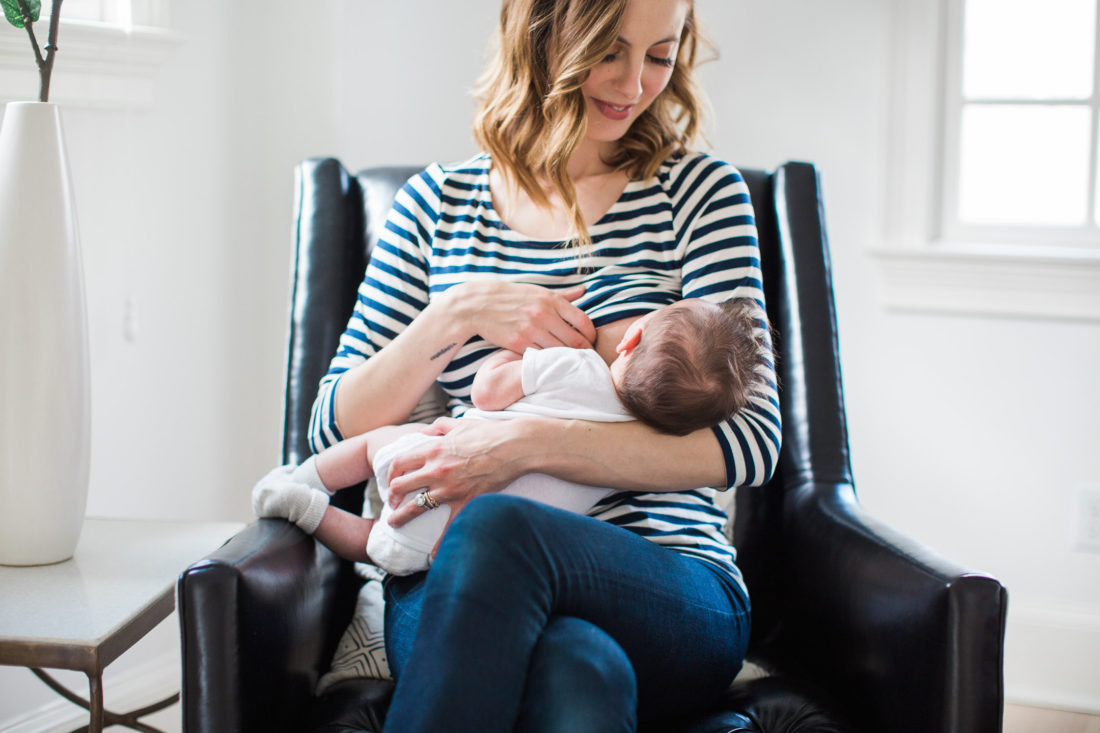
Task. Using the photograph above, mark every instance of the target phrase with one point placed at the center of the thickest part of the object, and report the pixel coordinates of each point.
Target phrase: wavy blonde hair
(532, 113)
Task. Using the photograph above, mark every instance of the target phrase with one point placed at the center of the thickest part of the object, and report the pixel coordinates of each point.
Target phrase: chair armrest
(259, 620)
(904, 639)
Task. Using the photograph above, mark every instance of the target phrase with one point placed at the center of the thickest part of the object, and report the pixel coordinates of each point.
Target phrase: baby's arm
(499, 381)
(345, 533)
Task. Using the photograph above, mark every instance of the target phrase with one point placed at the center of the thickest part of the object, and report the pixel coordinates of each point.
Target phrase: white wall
(967, 433)
(185, 211)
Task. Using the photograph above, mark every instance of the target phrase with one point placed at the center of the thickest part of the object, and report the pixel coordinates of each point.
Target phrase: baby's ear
(630, 339)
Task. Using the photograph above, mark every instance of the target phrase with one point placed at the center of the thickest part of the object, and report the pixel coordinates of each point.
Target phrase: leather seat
(859, 628)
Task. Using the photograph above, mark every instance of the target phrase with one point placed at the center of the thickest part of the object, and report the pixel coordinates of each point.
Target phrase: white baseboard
(135, 688)
(1051, 660)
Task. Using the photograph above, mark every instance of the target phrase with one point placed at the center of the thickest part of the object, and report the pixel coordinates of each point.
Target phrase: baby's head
(690, 365)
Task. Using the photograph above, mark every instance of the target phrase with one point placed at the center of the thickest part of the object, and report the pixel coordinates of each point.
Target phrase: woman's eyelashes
(658, 60)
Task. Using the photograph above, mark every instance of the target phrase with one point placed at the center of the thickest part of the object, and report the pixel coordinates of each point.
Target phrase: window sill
(1020, 281)
(98, 65)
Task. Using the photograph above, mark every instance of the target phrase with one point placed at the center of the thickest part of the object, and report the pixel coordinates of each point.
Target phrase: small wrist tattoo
(443, 351)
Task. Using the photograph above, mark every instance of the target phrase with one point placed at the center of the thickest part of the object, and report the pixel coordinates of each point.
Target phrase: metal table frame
(145, 604)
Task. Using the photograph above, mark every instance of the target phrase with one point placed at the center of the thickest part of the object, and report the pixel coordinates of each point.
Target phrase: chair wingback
(337, 218)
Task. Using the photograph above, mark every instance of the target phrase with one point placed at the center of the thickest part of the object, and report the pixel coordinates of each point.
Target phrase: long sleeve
(721, 260)
(394, 291)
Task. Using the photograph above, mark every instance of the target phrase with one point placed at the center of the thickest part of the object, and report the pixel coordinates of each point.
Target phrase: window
(93, 10)
(119, 13)
(1020, 153)
(993, 205)
(110, 53)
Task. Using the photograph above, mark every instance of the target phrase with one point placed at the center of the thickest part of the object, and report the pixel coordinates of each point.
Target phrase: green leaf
(15, 16)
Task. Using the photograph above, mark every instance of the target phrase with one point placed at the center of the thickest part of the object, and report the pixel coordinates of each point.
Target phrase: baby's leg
(301, 493)
(406, 549)
(345, 464)
(349, 462)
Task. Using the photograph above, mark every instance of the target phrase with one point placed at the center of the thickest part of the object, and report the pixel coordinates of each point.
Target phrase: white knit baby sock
(278, 495)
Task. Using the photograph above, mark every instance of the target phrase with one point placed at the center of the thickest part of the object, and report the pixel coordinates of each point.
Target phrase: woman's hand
(516, 316)
(474, 457)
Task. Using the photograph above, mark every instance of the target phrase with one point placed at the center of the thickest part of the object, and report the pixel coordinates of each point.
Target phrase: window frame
(926, 266)
(952, 227)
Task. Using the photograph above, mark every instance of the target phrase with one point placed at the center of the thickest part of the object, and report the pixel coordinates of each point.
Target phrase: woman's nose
(629, 80)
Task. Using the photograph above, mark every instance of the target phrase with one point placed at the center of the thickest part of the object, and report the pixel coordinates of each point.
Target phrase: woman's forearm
(626, 456)
(385, 389)
(481, 456)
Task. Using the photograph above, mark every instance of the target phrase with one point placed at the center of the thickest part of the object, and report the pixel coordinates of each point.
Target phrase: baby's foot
(277, 495)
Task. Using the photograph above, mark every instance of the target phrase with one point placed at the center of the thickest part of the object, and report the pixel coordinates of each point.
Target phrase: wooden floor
(1020, 719)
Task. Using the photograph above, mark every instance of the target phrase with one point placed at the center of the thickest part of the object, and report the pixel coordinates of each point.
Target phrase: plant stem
(46, 68)
(45, 65)
(29, 25)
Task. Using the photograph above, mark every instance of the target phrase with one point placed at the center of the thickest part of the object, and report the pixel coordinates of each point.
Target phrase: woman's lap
(508, 566)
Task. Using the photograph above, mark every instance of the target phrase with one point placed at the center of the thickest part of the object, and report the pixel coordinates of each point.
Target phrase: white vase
(45, 410)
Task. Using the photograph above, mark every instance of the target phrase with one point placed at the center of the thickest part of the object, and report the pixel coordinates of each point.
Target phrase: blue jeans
(537, 620)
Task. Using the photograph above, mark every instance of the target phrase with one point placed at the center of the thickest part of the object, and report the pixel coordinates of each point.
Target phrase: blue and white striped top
(688, 231)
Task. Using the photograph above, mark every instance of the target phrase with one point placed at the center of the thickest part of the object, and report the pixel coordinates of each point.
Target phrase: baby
(686, 366)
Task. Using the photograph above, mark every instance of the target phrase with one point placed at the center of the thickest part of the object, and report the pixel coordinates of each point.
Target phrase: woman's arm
(401, 336)
(384, 389)
(721, 261)
(483, 456)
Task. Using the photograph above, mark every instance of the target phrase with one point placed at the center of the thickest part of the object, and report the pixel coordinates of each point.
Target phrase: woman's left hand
(474, 457)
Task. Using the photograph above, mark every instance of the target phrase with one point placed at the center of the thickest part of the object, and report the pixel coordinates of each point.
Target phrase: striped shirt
(686, 232)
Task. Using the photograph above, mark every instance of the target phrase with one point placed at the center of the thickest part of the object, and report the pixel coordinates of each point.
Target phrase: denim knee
(491, 515)
(488, 525)
(580, 681)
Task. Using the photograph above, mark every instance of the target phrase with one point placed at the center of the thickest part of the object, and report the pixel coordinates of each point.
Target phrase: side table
(82, 614)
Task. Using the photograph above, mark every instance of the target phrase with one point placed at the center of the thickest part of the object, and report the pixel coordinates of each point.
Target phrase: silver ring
(424, 500)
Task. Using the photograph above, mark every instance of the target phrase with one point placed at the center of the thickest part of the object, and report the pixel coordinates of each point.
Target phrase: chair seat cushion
(766, 705)
(353, 706)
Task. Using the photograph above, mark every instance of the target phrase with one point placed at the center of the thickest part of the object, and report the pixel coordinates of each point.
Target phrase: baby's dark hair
(696, 366)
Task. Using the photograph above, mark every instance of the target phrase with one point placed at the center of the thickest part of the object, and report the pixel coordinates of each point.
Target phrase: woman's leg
(579, 680)
(506, 567)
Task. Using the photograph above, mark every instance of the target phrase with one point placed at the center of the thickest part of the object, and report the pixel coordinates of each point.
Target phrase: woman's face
(636, 69)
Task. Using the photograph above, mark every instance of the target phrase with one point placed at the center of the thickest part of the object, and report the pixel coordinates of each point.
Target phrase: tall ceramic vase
(45, 411)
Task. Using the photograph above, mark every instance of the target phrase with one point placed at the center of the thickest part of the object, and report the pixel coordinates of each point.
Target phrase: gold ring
(426, 501)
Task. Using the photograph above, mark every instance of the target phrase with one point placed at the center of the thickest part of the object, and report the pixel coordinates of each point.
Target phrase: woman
(586, 212)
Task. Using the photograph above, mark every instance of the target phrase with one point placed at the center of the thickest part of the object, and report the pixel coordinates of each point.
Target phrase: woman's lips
(613, 111)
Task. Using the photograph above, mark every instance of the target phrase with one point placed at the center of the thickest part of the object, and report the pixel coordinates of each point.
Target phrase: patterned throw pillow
(362, 649)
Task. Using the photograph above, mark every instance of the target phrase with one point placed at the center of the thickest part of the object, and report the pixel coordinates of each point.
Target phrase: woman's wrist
(539, 445)
(454, 310)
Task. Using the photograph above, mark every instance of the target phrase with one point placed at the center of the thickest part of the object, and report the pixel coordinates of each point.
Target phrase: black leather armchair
(861, 629)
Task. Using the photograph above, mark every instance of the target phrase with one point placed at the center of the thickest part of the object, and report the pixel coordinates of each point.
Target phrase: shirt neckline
(606, 218)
